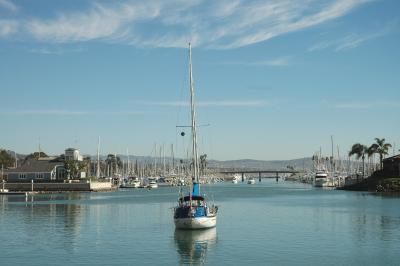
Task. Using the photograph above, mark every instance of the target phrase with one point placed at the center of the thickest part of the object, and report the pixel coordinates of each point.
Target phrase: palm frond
(380, 141)
(372, 149)
(387, 146)
(359, 150)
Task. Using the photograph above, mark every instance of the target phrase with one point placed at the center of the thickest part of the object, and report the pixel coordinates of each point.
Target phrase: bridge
(247, 171)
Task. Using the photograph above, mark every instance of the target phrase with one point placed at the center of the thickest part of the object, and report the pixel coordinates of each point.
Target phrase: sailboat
(192, 211)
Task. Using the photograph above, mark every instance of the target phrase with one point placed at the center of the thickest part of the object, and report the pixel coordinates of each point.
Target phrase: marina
(310, 224)
(148, 132)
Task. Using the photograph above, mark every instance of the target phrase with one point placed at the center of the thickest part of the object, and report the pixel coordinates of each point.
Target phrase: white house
(72, 154)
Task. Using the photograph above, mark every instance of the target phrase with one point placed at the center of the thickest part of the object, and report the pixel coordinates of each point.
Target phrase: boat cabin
(195, 201)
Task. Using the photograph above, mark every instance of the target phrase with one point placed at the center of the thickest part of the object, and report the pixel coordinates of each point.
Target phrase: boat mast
(155, 159)
(173, 159)
(163, 154)
(39, 149)
(98, 159)
(193, 117)
(332, 161)
(127, 169)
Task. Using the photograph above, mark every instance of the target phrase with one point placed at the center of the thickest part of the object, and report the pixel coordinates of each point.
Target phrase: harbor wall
(93, 186)
(100, 186)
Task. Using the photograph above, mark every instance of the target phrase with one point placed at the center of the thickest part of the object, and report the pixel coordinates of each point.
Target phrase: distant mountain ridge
(241, 164)
(301, 163)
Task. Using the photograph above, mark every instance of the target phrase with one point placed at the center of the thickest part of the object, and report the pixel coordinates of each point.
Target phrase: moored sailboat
(192, 211)
(251, 181)
(152, 183)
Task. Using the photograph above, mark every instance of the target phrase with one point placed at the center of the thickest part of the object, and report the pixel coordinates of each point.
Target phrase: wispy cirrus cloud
(97, 23)
(7, 27)
(55, 50)
(354, 40)
(367, 105)
(120, 113)
(276, 62)
(223, 24)
(8, 5)
(223, 103)
(43, 112)
(234, 103)
(262, 21)
(56, 112)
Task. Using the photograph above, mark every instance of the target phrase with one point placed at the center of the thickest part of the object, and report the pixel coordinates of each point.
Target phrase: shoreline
(41, 188)
(376, 183)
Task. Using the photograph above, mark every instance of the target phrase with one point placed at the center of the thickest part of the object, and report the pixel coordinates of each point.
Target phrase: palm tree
(370, 152)
(381, 148)
(359, 150)
(74, 168)
(35, 155)
(203, 163)
(113, 162)
(6, 159)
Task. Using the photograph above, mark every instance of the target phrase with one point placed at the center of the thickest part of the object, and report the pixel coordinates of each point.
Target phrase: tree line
(6, 160)
(361, 151)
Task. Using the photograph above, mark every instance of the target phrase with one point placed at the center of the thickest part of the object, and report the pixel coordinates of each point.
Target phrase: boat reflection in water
(192, 245)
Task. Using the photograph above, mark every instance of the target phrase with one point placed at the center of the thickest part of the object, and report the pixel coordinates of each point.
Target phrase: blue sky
(274, 79)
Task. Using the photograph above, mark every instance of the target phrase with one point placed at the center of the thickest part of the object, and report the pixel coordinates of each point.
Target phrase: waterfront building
(391, 165)
(72, 154)
(47, 169)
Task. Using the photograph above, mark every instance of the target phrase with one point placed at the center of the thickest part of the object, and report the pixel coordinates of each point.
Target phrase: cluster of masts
(158, 164)
(343, 165)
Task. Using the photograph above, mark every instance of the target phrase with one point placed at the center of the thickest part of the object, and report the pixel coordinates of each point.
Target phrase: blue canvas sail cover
(196, 190)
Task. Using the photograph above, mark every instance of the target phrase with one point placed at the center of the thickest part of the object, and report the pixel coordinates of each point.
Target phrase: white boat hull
(133, 185)
(320, 183)
(196, 222)
(152, 184)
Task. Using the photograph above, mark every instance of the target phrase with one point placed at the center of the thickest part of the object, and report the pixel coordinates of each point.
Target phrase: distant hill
(302, 163)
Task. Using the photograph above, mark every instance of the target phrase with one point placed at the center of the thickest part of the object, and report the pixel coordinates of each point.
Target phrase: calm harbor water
(263, 224)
